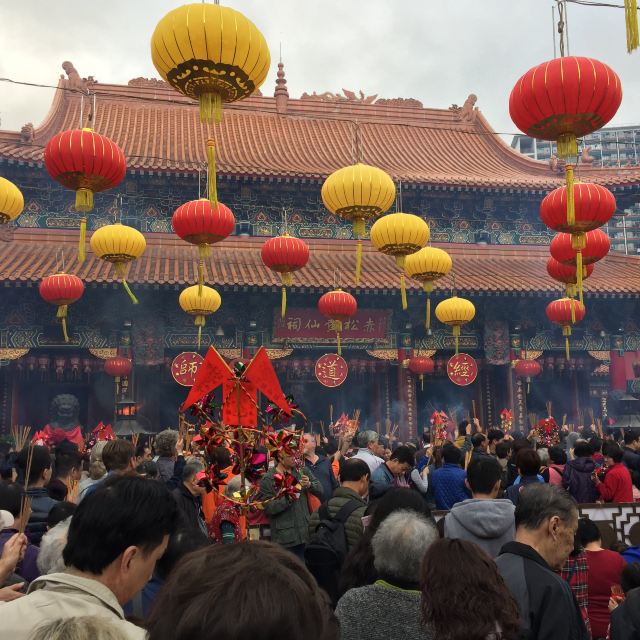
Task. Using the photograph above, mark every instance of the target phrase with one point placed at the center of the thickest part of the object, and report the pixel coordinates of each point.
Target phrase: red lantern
(285, 254)
(566, 312)
(564, 99)
(203, 224)
(566, 274)
(118, 366)
(528, 369)
(61, 289)
(338, 306)
(86, 162)
(421, 366)
(596, 246)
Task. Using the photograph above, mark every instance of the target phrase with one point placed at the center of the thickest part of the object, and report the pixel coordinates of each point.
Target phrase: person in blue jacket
(448, 481)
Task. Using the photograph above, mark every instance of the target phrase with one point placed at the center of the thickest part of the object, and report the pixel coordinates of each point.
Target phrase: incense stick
(135, 437)
(20, 436)
(548, 405)
(25, 506)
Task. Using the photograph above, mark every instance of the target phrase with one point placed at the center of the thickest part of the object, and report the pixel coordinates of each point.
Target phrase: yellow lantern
(425, 266)
(358, 193)
(400, 235)
(120, 245)
(210, 53)
(199, 304)
(11, 201)
(455, 312)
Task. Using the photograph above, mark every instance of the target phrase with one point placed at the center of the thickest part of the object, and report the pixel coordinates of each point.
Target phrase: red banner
(309, 324)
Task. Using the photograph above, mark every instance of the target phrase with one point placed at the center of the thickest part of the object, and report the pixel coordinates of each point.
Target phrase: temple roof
(236, 263)
(298, 139)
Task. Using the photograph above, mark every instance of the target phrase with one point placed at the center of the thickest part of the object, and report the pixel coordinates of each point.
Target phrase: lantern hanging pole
(566, 26)
(561, 25)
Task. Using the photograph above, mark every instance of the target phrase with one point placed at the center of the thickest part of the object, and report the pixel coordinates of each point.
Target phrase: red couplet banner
(366, 324)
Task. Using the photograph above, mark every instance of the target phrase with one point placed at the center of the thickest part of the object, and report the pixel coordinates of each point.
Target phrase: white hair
(400, 544)
(543, 454)
(81, 628)
(51, 547)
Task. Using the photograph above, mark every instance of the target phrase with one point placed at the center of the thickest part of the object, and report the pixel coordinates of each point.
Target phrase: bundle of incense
(579, 418)
(564, 420)
(473, 406)
(467, 459)
(592, 419)
(322, 431)
(72, 490)
(533, 421)
(599, 426)
(25, 508)
(549, 407)
(135, 437)
(453, 416)
(330, 414)
(20, 436)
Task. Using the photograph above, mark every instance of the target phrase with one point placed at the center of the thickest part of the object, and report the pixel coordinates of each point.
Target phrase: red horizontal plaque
(366, 324)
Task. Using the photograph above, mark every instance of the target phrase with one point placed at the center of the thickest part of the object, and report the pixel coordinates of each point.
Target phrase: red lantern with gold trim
(566, 274)
(61, 289)
(564, 99)
(566, 312)
(285, 254)
(338, 306)
(596, 247)
(421, 366)
(86, 162)
(528, 369)
(118, 366)
(202, 223)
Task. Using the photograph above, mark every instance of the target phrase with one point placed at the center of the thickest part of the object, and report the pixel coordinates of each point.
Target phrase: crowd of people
(474, 538)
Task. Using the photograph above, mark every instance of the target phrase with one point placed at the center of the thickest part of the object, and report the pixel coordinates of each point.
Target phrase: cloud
(437, 51)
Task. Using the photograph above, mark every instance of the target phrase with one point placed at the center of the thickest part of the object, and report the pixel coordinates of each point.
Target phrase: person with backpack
(555, 469)
(336, 527)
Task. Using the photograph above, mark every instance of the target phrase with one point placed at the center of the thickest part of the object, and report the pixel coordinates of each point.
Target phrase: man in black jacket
(546, 522)
(630, 456)
(188, 496)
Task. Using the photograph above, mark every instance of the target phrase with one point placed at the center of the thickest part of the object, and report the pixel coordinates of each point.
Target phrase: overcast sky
(437, 51)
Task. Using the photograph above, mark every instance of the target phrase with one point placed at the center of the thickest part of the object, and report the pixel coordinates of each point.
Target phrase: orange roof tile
(480, 269)
(159, 130)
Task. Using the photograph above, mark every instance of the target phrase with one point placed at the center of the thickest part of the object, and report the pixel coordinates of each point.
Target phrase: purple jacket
(576, 479)
(27, 568)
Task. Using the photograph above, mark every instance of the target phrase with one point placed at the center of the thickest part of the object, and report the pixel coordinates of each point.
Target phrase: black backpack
(327, 549)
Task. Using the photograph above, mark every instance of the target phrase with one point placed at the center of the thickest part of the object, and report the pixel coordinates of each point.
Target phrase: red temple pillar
(617, 372)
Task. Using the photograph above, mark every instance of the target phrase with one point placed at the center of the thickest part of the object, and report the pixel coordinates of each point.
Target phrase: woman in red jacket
(616, 486)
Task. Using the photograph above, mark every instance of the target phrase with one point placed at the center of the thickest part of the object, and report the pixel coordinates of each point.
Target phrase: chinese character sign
(331, 370)
(366, 324)
(462, 369)
(185, 367)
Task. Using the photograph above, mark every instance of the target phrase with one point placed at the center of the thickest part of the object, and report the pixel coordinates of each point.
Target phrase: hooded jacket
(488, 523)
(576, 479)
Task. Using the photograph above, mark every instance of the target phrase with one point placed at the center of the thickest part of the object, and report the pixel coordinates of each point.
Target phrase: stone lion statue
(64, 412)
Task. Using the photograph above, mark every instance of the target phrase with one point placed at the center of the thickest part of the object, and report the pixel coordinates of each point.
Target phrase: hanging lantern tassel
(578, 243)
(428, 288)
(528, 386)
(204, 251)
(567, 146)
(62, 314)
(211, 172)
(338, 332)
(84, 200)
(571, 206)
(210, 107)
(121, 272)
(631, 19)
(200, 322)
(287, 281)
(566, 332)
(359, 230)
(82, 250)
(403, 292)
(421, 382)
(456, 335)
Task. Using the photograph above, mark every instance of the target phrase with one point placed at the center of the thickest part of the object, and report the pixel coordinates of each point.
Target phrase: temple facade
(479, 196)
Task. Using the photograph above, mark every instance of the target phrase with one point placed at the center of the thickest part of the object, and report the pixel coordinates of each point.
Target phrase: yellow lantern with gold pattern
(358, 193)
(210, 53)
(426, 266)
(200, 302)
(119, 245)
(11, 201)
(455, 312)
(399, 235)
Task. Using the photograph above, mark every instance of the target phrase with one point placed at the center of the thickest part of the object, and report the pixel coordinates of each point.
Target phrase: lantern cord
(82, 243)
(211, 172)
(456, 335)
(204, 250)
(84, 200)
(561, 26)
(125, 284)
(428, 318)
(358, 260)
(566, 332)
(631, 19)
(578, 243)
(579, 276)
(571, 207)
(62, 314)
(283, 304)
(200, 322)
(403, 291)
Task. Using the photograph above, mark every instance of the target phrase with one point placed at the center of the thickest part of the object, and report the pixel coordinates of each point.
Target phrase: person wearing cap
(188, 497)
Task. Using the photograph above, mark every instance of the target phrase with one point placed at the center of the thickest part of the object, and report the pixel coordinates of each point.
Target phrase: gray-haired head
(400, 544)
(539, 502)
(166, 443)
(190, 470)
(365, 438)
(543, 454)
(80, 628)
(51, 547)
